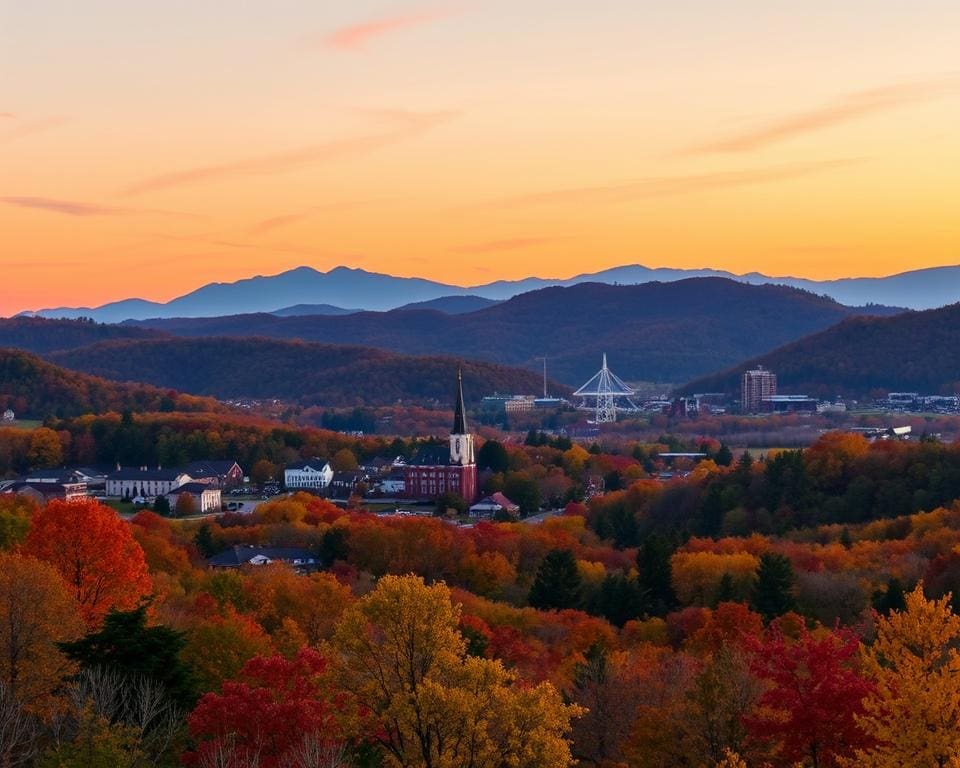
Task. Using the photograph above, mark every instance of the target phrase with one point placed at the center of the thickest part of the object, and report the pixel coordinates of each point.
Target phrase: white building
(315, 473)
(206, 496)
(9, 415)
(144, 483)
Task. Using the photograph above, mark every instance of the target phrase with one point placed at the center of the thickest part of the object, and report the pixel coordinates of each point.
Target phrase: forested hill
(36, 334)
(655, 331)
(310, 374)
(36, 389)
(913, 352)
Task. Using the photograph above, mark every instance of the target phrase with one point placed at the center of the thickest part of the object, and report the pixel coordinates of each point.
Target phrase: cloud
(849, 107)
(285, 219)
(663, 186)
(407, 125)
(66, 207)
(7, 116)
(29, 127)
(355, 37)
(511, 244)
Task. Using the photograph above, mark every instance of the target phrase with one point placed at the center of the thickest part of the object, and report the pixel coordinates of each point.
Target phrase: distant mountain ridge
(348, 287)
(666, 332)
(862, 356)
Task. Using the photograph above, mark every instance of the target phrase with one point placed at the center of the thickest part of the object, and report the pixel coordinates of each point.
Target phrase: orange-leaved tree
(94, 552)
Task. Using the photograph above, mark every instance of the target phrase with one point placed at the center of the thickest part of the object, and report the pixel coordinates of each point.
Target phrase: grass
(23, 423)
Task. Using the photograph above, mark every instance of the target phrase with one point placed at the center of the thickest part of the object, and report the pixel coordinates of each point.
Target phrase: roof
(432, 456)
(496, 500)
(459, 413)
(46, 489)
(312, 464)
(209, 467)
(145, 474)
(196, 488)
(241, 555)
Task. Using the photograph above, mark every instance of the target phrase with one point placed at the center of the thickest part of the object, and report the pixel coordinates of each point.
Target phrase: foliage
(557, 584)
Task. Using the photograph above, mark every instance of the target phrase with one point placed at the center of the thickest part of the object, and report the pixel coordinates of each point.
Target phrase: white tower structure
(606, 387)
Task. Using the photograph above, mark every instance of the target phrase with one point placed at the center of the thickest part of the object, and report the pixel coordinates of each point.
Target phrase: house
(227, 474)
(490, 506)
(9, 415)
(437, 470)
(43, 492)
(315, 473)
(344, 484)
(94, 479)
(240, 555)
(206, 496)
(393, 484)
(144, 483)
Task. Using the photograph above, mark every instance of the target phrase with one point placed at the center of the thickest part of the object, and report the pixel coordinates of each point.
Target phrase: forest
(791, 611)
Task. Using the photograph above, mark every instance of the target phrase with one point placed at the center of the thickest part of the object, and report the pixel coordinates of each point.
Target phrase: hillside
(311, 374)
(40, 335)
(36, 389)
(913, 352)
(668, 332)
(453, 305)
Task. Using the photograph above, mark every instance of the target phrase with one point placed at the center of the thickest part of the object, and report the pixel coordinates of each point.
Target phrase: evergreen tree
(493, 456)
(618, 600)
(126, 645)
(203, 538)
(333, 546)
(161, 505)
(892, 598)
(724, 457)
(773, 586)
(557, 584)
(654, 574)
(725, 591)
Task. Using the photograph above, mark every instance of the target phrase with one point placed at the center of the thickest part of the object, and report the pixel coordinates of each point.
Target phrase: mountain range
(664, 332)
(344, 287)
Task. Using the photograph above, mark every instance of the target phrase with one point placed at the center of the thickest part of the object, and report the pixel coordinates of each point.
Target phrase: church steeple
(459, 412)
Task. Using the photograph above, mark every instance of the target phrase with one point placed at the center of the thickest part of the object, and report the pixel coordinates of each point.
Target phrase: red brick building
(437, 469)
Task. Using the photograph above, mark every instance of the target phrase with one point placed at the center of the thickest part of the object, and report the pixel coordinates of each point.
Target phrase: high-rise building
(755, 386)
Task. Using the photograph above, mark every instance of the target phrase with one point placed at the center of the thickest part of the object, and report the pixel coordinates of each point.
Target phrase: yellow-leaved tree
(399, 651)
(914, 712)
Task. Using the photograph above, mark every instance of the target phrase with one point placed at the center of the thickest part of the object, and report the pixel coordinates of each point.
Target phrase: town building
(437, 470)
(206, 496)
(756, 386)
(9, 415)
(241, 555)
(43, 492)
(315, 474)
(490, 506)
(789, 404)
(144, 483)
(348, 482)
(227, 474)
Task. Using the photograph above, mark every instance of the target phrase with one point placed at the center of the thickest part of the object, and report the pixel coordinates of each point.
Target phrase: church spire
(459, 413)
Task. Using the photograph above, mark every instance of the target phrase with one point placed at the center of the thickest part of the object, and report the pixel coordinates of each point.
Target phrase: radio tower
(606, 387)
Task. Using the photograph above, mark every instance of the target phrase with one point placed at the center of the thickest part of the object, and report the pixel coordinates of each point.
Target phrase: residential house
(9, 415)
(228, 474)
(244, 554)
(43, 492)
(490, 506)
(206, 496)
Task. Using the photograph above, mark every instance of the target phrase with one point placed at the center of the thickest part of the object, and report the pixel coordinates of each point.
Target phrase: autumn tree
(401, 654)
(37, 611)
(344, 460)
(94, 552)
(262, 471)
(654, 575)
(913, 712)
(46, 449)
(773, 586)
(557, 584)
(15, 513)
(185, 506)
(814, 696)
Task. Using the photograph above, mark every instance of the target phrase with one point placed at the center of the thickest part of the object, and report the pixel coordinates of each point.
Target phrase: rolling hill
(36, 389)
(311, 374)
(913, 352)
(40, 335)
(346, 287)
(667, 332)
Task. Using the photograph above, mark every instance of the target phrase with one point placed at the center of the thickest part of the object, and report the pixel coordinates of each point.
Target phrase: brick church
(436, 469)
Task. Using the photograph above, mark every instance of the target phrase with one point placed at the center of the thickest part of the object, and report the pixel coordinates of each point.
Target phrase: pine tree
(654, 574)
(557, 584)
(772, 587)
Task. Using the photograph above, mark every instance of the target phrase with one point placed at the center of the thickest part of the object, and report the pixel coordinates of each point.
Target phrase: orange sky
(145, 151)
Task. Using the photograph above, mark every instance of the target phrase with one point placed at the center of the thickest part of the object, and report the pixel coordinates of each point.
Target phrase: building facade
(437, 470)
(755, 387)
(206, 496)
(315, 474)
(144, 483)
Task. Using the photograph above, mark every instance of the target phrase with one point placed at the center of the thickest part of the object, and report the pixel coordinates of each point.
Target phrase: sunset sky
(147, 148)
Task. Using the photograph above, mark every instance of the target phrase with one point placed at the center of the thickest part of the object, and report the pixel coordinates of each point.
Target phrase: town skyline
(469, 142)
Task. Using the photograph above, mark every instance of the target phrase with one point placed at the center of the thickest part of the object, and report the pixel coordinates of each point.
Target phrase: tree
(450, 500)
(204, 541)
(654, 575)
(37, 611)
(557, 583)
(45, 448)
(813, 699)
(262, 471)
(522, 491)
(913, 712)
(269, 713)
(94, 552)
(493, 456)
(344, 460)
(890, 599)
(161, 505)
(401, 654)
(126, 646)
(185, 506)
(773, 586)
(15, 513)
(724, 457)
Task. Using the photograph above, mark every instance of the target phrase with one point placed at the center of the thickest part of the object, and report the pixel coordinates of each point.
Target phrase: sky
(148, 148)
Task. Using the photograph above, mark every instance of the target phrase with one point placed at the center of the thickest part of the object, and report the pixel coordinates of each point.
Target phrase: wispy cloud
(25, 128)
(66, 207)
(510, 244)
(285, 219)
(7, 116)
(355, 37)
(663, 186)
(406, 125)
(849, 107)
